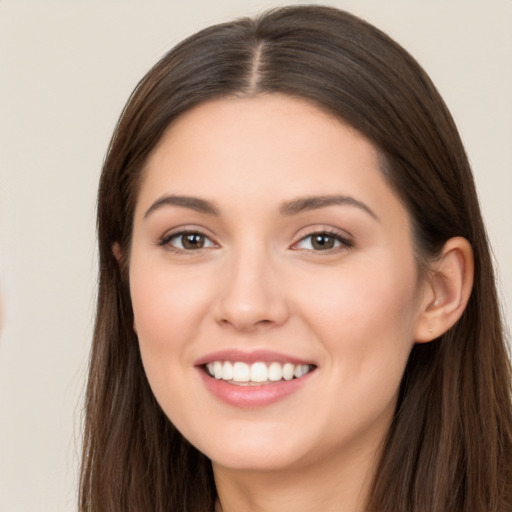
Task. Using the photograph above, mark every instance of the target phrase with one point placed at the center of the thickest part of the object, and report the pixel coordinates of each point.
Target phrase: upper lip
(255, 356)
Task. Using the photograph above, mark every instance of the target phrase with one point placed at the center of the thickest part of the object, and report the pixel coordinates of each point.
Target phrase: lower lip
(252, 396)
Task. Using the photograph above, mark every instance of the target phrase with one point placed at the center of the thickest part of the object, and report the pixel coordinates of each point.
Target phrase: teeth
(217, 370)
(257, 372)
(288, 371)
(241, 372)
(301, 370)
(275, 372)
(227, 371)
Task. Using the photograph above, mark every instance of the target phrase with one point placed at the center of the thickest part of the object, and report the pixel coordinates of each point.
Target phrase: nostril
(246, 324)
(247, 304)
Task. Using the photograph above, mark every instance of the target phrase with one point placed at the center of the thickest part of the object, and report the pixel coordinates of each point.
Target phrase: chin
(260, 448)
(254, 459)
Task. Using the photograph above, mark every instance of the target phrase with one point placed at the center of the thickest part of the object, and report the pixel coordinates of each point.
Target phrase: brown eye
(322, 242)
(188, 241)
(193, 241)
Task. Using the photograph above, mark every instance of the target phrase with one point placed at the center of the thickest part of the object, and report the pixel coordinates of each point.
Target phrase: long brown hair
(449, 448)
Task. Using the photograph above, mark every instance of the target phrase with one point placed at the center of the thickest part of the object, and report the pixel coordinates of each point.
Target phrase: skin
(354, 311)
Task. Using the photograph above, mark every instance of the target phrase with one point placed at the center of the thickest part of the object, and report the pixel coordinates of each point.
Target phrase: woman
(296, 305)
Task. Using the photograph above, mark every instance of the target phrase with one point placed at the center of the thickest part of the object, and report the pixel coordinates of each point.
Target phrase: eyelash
(166, 241)
(339, 241)
(342, 242)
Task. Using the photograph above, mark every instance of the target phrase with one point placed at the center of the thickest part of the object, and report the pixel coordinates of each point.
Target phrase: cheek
(166, 303)
(168, 308)
(365, 324)
(366, 298)
(365, 319)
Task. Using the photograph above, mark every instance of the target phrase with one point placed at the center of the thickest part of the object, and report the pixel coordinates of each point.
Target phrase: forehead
(229, 126)
(262, 149)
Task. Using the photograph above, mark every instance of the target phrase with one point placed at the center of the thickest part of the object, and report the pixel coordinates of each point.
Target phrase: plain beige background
(66, 69)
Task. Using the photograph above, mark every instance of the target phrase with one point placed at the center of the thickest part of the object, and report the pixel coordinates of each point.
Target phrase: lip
(251, 396)
(247, 397)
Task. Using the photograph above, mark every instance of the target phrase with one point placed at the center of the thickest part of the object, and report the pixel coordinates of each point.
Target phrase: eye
(322, 241)
(187, 241)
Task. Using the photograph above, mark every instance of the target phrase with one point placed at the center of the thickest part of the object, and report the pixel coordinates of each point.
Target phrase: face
(274, 284)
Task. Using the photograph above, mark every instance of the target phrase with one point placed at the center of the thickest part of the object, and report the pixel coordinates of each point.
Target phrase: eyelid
(345, 239)
(165, 239)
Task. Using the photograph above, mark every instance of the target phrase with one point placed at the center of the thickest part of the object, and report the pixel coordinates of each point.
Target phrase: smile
(250, 380)
(241, 373)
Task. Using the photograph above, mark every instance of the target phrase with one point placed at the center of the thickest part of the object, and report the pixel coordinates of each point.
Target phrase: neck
(340, 484)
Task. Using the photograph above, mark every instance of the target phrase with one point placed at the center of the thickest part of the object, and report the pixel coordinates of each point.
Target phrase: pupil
(323, 242)
(193, 241)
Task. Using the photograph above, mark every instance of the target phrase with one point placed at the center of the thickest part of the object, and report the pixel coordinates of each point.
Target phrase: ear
(449, 286)
(116, 249)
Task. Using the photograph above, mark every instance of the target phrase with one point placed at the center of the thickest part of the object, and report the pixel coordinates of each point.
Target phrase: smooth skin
(262, 266)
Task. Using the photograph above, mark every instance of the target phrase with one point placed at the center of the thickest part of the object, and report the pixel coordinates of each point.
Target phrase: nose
(252, 296)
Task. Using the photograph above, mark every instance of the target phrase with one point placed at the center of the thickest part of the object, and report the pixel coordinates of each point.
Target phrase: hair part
(449, 448)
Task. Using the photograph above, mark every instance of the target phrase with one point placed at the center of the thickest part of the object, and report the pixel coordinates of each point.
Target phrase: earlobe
(116, 250)
(450, 282)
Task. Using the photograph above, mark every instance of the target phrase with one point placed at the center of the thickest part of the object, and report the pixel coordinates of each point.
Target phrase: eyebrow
(192, 203)
(287, 209)
(315, 202)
